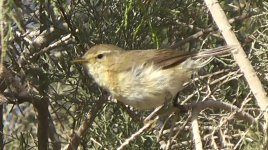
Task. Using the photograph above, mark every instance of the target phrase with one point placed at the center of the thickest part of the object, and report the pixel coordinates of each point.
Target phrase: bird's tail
(200, 59)
(214, 52)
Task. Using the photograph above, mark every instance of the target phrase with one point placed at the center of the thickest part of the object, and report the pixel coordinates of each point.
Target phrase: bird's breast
(103, 76)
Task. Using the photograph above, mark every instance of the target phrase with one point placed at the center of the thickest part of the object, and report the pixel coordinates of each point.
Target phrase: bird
(144, 79)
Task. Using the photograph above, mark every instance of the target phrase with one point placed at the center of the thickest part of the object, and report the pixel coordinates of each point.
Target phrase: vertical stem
(42, 116)
(2, 35)
(1, 62)
(241, 59)
(1, 128)
(195, 129)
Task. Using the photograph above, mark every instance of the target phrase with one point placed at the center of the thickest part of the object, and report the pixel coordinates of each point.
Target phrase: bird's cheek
(93, 67)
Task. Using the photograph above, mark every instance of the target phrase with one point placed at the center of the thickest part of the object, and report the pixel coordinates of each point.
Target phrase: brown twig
(224, 78)
(182, 127)
(134, 136)
(54, 137)
(63, 41)
(80, 133)
(67, 19)
(240, 56)
(1, 128)
(42, 116)
(208, 30)
(240, 114)
(195, 129)
(49, 35)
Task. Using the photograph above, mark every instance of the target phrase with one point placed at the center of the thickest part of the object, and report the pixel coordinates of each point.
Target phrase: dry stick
(244, 135)
(153, 114)
(240, 114)
(49, 35)
(54, 137)
(42, 117)
(223, 79)
(1, 128)
(162, 129)
(241, 58)
(224, 120)
(199, 106)
(182, 127)
(208, 30)
(195, 128)
(77, 136)
(170, 134)
(237, 112)
(133, 136)
(3, 48)
(63, 41)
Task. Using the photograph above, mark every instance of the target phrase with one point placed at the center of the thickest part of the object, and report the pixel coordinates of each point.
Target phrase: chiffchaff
(144, 79)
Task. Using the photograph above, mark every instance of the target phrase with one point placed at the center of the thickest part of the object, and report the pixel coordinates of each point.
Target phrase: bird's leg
(176, 104)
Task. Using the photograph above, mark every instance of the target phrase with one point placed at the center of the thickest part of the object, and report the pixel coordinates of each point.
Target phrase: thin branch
(208, 30)
(239, 56)
(69, 23)
(42, 116)
(1, 128)
(227, 107)
(54, 137)
(4, 77)
(195, 129)
(77, 136)
(62, 41)
(49, 35)
(134, 136)
(182, 127)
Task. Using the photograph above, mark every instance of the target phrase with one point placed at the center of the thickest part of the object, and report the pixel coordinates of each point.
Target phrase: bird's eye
(100, 56)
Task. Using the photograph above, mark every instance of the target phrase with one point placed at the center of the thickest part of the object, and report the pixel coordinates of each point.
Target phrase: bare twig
(208, 30)
(153, 114)
(1, 128)
(63, 41)
(222, 79)
(49, 35)
(42, 116)
(240, 114)
(67, 19)
(239, 56)
(195, 129)
(133, 136)
(77, 136)
(182, 127)
(54, 137)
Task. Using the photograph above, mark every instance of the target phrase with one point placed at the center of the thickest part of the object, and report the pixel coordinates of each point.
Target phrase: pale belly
(146, 88)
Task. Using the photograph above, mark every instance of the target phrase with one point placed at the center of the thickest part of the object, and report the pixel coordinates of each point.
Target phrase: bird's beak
(80, 61)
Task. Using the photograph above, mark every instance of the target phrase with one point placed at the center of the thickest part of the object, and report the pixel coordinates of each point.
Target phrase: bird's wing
(163, 58)
(169, 58)
(166, 58)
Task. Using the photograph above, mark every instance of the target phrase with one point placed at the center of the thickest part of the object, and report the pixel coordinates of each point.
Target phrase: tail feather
(214, 52)
(197, 60)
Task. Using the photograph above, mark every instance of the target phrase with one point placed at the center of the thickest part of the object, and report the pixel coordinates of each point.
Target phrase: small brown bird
(144, 79)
